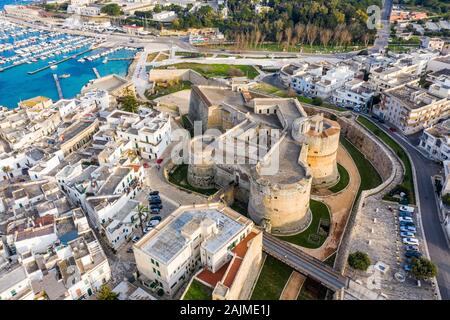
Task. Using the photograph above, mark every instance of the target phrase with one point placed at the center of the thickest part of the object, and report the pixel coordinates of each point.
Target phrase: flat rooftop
(167, 242)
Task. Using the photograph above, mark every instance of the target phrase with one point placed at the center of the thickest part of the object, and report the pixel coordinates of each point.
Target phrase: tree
(105, 293)
(311, 33)
(129, 103)
(359, 260)
(7, 170)
(423, 268)
(112, 9)
(142, 213)
(317, 101)
(325, 36)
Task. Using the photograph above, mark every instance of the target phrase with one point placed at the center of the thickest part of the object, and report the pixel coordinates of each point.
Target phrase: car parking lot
(377, 232)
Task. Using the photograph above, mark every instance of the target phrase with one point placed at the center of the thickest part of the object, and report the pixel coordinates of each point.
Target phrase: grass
(161, 91)
(271, 281)
(187, 124)
(191, 55)
(270, 89)
(162, 57)
(344, 179)
(330, 260)
(151, 56)
(179, 177)
(312, 237)
(407, 183)
(240, 207)
(198, 291)
(369, 175)
(218, 70)
(312, 290)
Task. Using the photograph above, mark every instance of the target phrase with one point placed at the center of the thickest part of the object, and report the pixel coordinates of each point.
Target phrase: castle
(268, 148)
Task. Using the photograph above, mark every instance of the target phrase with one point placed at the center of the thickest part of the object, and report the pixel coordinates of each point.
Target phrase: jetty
(58, 86)
(120, 59)
(58, 62)
(96, 73)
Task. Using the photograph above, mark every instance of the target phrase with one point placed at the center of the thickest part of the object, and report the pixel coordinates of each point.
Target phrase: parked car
(147, 229)
(405, 214)
(156, 206)
(406, 209)
(157, 218)
(155, 202)
(392, 129)
(411, 248)
(154, 211)
(413, 254)
(407, 267)
(408, 228)
(405, 219)
(135, 239)
(405, 223)
(407, 234)
(411, 241)
(154, 193)
(151, 224)
(153, 198)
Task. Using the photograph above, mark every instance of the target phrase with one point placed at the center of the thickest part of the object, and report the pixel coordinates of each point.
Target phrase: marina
(34, 59)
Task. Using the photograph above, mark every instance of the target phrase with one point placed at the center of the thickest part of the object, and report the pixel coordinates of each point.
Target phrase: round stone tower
(321, 136)
(201, 169)
(281, 201)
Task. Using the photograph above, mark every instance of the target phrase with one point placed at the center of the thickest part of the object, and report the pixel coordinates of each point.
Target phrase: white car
(407, 209)
(411, 241)
(405, 219)
(153, 223)
(135, 239)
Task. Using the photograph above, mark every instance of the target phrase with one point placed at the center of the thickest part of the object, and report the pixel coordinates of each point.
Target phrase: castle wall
(286, 207)
(198, 109)
(201, 176)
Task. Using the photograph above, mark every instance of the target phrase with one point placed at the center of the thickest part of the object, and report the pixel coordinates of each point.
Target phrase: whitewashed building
(435, 141)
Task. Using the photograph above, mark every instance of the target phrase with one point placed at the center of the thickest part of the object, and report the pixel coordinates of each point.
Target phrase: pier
(96, 73)
(119, 59)
(58, 62)
(58, 86)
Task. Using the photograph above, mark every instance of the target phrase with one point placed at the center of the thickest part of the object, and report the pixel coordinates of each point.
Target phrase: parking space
(377, 232)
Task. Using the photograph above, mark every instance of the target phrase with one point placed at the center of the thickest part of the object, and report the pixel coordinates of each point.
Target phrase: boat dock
(58, 86)
(119, 59)
(58, 62)
(96, 73)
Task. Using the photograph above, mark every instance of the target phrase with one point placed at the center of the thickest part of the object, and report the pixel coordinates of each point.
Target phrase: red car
(393, 129)
(159, 161)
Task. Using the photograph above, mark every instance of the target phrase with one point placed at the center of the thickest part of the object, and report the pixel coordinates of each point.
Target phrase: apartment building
(190, 239)
(411, 108)
(355, 94)
(150, 134)
(435, 141)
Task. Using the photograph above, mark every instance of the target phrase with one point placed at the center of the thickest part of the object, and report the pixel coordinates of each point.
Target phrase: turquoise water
(17, 85)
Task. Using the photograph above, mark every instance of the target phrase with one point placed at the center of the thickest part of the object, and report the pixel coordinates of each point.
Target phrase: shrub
(317, 101)
(423, 268)
(359, 260)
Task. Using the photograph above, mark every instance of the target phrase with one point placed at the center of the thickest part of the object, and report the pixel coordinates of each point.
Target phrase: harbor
(54, 64)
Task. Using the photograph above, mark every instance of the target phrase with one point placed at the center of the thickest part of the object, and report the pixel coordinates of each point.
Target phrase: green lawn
(344, 179)
(369, 175)
(271, 281)
(217, 70)
(330, 260)
(198, 291)
(240, 207)
(407, 184)
(312, 237)
(161, 91)
(179, 177)
(312, 290)
(269, 89)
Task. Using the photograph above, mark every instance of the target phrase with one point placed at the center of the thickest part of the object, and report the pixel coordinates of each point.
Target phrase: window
(159, 274)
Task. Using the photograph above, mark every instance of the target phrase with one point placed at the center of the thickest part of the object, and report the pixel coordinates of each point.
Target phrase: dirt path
(340, 205)
(293, 286)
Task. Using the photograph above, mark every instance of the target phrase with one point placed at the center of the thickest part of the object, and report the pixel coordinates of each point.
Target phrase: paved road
(382, 38)
(304, 263)
(435, 237)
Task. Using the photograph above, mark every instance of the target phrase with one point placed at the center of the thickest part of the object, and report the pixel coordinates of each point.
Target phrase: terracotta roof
(212, 278)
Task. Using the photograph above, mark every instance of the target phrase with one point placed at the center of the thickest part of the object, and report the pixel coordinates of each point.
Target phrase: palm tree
(142, 212)
(7, 170)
